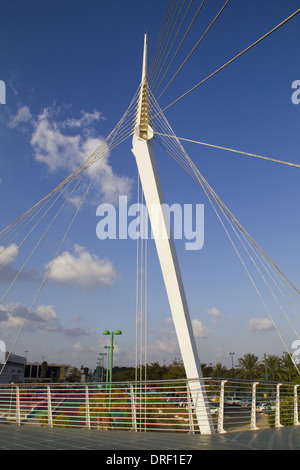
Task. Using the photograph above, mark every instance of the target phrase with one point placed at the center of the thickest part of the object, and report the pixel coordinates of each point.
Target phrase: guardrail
(151, 406)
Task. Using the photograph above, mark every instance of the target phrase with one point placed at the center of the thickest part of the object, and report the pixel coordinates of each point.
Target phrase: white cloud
(111, 185)
(77, 331)
(8, 254)
(82, 353)
(23, 116)
(78, 347)
(59, 150)
(65, 143)
(86, 119)
(215, 313)
(200, 331)
(44, 319)
(82, 269)
(56, 150)
(8, 272)
(260, 324)
(167, 345)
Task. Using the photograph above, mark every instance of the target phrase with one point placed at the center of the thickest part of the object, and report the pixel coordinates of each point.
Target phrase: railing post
(133, 408)
(190, 411)
(87, 408)
(18, 409)
(253, 407)
(277, 408)
(220, 428)
(296, 420)
(49, 406)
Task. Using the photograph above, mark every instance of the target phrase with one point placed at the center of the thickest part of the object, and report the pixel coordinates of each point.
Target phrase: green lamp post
(102, 365)
(111, 333)
(107, 365)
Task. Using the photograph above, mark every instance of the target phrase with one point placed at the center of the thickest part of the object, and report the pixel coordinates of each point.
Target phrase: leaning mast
(142, 148)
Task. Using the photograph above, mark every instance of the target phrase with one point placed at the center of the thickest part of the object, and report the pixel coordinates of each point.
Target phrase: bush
(286, 413)
(61, 421)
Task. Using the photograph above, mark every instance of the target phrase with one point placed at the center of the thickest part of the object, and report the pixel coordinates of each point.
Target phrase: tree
(249, 367)
(207, 370)
(175, 370)
(44, 369)
(155, 371)
(74, 375)
(219, 370)
(123, 374)
(289, 370)
(274, 367)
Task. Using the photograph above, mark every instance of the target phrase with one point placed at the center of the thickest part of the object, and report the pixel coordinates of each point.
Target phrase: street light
(111, 333)
(232, 354)
(102, 366)
(107, 365)
(99, 369)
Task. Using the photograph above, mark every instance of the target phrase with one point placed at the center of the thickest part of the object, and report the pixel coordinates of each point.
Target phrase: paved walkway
(28, 437)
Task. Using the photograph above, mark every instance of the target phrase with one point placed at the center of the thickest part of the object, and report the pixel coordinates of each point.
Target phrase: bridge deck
(27, 437)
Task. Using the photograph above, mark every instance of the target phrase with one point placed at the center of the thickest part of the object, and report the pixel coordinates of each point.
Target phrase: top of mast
(143, 130)
(144, 73)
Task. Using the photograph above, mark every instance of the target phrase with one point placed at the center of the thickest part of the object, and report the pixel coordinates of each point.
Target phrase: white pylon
(146, 163)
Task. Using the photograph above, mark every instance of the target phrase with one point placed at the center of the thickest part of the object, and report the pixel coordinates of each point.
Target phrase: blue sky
(71, 69)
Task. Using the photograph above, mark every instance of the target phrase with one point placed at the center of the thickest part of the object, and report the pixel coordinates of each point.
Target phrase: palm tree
(219, 370)
(249, 367)
(44, 369)
(274, 366)
(206, 369)
(74, 375)
(289, 369)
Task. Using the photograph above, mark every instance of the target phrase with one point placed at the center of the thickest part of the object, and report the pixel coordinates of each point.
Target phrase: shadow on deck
(28, 437)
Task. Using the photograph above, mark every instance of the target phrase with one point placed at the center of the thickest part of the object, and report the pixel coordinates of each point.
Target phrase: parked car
(246, 403)
(183, 402)
(261, 407)
(232, 401)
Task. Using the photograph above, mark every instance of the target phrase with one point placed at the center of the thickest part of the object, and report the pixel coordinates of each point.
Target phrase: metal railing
(166, 406)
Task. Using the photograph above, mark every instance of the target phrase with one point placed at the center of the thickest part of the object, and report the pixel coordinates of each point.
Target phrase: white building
(14, 369)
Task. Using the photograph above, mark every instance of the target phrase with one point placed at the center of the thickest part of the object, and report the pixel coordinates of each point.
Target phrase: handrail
(156, 405)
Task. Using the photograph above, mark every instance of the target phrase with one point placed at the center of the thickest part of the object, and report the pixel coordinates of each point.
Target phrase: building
(42, 371)
(14, 369)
